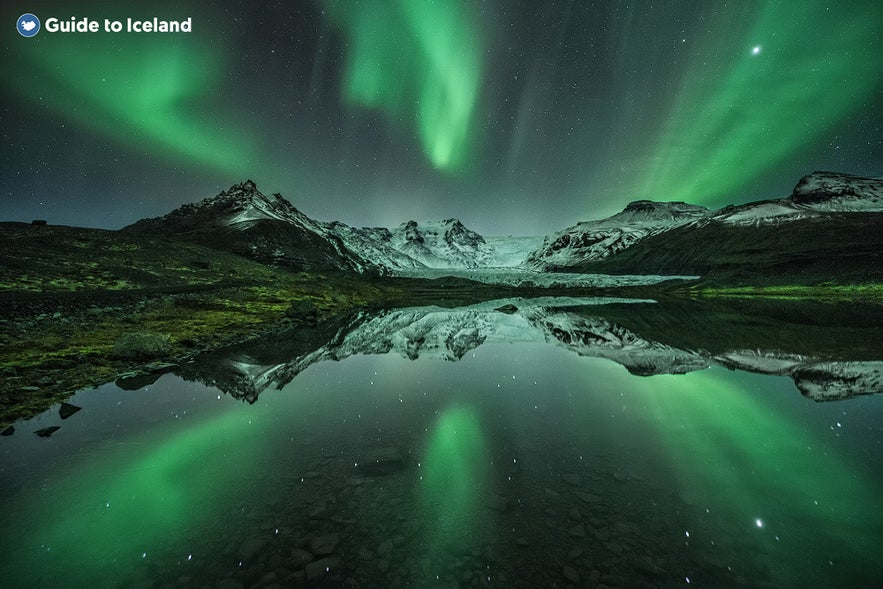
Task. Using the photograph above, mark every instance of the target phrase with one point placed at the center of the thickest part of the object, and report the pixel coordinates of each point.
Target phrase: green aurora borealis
(373, 112)
(420, 62)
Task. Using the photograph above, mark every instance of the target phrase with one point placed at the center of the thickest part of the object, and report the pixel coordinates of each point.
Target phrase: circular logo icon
(28, 25)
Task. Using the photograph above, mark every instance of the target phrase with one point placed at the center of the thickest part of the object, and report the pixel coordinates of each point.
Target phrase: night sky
(518, 117)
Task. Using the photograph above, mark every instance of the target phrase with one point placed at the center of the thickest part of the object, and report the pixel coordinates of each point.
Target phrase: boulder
(304, 311)
(142, 346)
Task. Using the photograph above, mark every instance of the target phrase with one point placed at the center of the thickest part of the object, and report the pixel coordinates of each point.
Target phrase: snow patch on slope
(596, 240)
(815, 195)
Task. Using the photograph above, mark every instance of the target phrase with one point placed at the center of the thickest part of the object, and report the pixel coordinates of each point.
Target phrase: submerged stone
(8, 431)
(299, 558)
(323, 566)
(588, 497)
(324, 544)
(381, 462)
(47, 431)
(249, 549)
(132, 381)
(498, 502)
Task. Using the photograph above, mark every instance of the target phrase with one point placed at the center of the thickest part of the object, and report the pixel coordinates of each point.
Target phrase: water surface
(464, 447)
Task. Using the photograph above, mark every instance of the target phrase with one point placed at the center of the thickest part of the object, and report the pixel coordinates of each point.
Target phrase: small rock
(66, 410)
(8, 431)
(132, 381)
(381, 462)
(498, 502)
(296, 579)
(384, 548)
(645, 565)
(323, 566)
(299, 558)
(575, 514)
(571, 575)
(304, 311)
(249, 549)
(47, 431)
(142, 346)
(324, 544)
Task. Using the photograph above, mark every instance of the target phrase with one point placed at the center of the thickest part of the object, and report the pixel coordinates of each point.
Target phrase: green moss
(870, 293)
(83, 345)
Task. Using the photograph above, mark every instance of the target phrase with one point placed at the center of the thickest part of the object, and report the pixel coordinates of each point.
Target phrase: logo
(28, 25)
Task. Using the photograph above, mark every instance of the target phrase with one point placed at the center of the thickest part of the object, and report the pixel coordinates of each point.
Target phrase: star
(755, 50)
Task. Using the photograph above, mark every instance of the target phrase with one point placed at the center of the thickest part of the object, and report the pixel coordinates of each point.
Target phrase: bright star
(755, 50)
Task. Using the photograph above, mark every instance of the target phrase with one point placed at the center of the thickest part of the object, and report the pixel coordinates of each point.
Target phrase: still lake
(559, 442)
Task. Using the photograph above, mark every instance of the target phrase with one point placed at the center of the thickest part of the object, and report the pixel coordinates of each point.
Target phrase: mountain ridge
(272, 230)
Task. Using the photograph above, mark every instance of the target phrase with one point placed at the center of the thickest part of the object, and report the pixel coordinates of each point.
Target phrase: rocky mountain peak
(649, 210)
(823, 186)
(246, 188)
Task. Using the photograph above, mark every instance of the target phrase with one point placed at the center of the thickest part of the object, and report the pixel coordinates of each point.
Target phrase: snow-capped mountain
(270, 229)
(435, 333)
(375, 244)
(596, 240)
(815, 195)
(829, 227)
(439, 244)
(445, 244)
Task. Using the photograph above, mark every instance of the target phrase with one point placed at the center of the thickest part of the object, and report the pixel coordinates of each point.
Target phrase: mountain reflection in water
(457, 447)
(827, 361)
